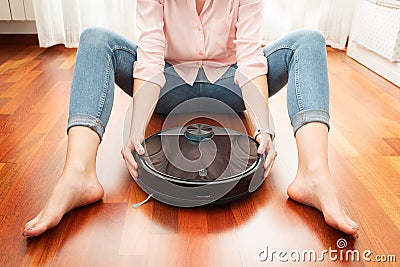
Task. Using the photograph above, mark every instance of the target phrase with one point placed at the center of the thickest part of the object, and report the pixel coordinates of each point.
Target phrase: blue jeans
(105, 58)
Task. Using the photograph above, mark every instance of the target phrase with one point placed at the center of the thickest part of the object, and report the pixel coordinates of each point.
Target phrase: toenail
(353, 226)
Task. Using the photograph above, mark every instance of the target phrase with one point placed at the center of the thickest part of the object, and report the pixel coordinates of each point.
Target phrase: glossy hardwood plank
(394, 143)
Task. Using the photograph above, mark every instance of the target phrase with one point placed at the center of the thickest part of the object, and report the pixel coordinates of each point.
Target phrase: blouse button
(201, 53)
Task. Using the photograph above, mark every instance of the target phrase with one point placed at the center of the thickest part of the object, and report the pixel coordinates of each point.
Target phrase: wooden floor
(364, 151)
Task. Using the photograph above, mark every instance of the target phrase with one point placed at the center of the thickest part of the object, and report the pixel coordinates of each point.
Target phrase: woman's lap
(298, 59)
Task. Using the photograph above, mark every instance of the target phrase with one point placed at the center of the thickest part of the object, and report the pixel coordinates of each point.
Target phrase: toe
(29, 224)
(342, 222)
(32, 222)
(345, 227)
(352, 224)
(35, 230)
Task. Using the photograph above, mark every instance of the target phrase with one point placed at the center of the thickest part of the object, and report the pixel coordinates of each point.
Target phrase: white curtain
(62, 21)
(331, 17)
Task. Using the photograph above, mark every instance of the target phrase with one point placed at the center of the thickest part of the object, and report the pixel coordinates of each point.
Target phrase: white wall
(17, 17)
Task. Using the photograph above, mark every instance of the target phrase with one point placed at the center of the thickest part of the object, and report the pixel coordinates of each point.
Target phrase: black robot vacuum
(198, 165)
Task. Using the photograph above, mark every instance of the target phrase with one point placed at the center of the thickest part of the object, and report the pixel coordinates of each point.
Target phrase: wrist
(264, 131)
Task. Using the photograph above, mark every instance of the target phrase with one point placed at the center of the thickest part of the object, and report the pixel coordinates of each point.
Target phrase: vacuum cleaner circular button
(199, 132)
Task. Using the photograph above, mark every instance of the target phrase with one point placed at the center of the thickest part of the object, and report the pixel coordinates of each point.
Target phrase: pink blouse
(225, 32)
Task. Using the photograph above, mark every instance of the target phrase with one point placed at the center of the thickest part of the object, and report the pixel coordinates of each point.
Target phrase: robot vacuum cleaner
(198, 165)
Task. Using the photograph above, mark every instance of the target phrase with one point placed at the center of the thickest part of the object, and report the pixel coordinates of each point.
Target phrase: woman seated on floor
(205, 36)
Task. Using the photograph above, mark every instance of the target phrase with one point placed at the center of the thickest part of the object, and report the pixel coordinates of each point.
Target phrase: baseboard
(19, 39)
(18, 27)
(380, 65)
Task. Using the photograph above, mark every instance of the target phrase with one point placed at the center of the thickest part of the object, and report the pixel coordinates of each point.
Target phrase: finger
(269, 160)
(139, 148)
(269, 157)
(262, 147)
(122, 153)
(130, 159)
(132, 171)
(268, 169)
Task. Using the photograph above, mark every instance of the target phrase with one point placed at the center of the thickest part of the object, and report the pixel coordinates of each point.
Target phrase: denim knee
(95, 38)
(93, 34)
(310, 39)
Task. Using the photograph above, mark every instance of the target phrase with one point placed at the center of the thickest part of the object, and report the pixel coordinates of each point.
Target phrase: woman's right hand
(134, 143)
(267, 146)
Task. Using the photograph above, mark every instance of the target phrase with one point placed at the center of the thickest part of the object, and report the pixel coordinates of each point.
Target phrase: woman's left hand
(267, 146)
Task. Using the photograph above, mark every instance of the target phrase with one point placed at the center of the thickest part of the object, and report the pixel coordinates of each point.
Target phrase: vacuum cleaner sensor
(199, 164)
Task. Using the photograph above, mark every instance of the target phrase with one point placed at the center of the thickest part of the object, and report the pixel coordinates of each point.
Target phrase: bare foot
(74, 189)
(317, 190)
